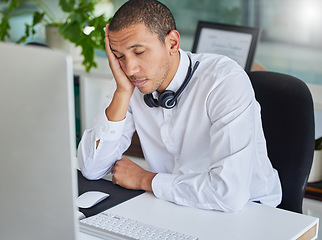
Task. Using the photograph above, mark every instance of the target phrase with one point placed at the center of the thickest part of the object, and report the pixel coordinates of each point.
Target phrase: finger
(107, 29)
(113, 168)
(106, 34)
(107, 41)
(113, 62)
(108, 50)
(113, 180)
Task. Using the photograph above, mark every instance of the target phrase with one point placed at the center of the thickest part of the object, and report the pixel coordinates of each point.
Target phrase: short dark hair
(153, 14)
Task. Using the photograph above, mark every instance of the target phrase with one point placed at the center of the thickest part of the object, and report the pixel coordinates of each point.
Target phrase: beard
(155, 80)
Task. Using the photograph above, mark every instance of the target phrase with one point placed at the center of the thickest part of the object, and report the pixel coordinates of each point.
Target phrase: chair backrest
(288, 123)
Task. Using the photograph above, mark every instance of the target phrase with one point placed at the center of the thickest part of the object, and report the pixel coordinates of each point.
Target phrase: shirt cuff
(105, 129)
(162, 186)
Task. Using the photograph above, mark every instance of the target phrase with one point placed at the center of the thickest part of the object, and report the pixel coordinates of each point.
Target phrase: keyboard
(108, 225)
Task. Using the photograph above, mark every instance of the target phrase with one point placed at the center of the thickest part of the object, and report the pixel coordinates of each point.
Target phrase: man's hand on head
(122, 81)
(117, 109)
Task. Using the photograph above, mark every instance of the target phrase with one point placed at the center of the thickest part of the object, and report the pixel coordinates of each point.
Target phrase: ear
(173, 42)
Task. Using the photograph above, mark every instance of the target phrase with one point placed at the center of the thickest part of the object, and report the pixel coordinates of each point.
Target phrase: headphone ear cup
(167, 100)
(150, 100)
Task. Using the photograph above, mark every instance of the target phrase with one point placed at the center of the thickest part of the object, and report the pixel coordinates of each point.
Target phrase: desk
(255, 222)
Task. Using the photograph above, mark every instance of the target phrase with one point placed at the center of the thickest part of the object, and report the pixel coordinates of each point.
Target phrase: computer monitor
(38, 185)
(237, 42)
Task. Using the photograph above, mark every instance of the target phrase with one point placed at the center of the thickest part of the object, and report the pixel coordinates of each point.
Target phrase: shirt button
(103, 129)
(112, 131)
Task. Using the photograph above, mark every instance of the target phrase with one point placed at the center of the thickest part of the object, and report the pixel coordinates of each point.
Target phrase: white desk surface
(255, 222)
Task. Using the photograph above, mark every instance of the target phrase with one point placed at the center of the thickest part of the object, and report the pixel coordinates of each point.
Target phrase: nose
(130, 67)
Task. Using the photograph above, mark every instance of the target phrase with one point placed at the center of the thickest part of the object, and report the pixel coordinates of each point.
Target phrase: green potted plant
(79, 16)
(316, 170)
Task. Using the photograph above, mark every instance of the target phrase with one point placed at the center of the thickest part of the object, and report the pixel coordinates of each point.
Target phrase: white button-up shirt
(209, 150)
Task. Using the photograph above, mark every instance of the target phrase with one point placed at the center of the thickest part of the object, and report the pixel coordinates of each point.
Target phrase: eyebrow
(130, 47)
(135, 45)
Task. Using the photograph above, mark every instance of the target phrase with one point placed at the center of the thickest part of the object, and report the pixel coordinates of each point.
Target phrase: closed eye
(139, 53)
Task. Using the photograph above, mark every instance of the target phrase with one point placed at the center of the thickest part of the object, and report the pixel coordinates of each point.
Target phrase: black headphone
(168, 98)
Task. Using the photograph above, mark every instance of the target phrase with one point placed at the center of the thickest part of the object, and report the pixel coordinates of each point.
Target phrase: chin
(144, 91)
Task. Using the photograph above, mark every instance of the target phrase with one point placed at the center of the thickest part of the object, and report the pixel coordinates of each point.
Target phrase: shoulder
(223, 83)
(215, 70)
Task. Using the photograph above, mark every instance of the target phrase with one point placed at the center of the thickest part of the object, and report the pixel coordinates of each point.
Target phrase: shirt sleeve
(233, 112)
(115, 138)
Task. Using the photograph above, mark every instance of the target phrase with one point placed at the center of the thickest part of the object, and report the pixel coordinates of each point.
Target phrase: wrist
(123, 94)
(146, 183)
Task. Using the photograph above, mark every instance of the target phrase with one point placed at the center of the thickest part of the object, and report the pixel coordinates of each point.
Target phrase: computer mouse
(91, 198)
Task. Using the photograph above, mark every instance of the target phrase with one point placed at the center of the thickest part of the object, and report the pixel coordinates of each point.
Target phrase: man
(206, 147)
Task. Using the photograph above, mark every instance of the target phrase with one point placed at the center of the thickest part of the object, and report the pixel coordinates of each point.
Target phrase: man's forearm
(116, 111)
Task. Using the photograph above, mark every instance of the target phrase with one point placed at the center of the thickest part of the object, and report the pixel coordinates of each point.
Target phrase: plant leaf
(13, 4)
(109, 20)
(37, 18)
(67, 5)
(4, 28)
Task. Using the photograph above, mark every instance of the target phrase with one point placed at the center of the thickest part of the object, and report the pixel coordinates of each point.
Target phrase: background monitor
(237, 42)
(37, 139)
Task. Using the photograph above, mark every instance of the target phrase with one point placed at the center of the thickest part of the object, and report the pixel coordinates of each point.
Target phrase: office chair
(288, 123)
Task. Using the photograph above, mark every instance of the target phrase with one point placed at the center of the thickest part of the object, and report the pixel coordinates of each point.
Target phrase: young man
(205, 148)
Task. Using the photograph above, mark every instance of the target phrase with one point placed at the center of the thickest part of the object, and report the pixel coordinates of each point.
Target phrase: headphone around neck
(168, 98)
